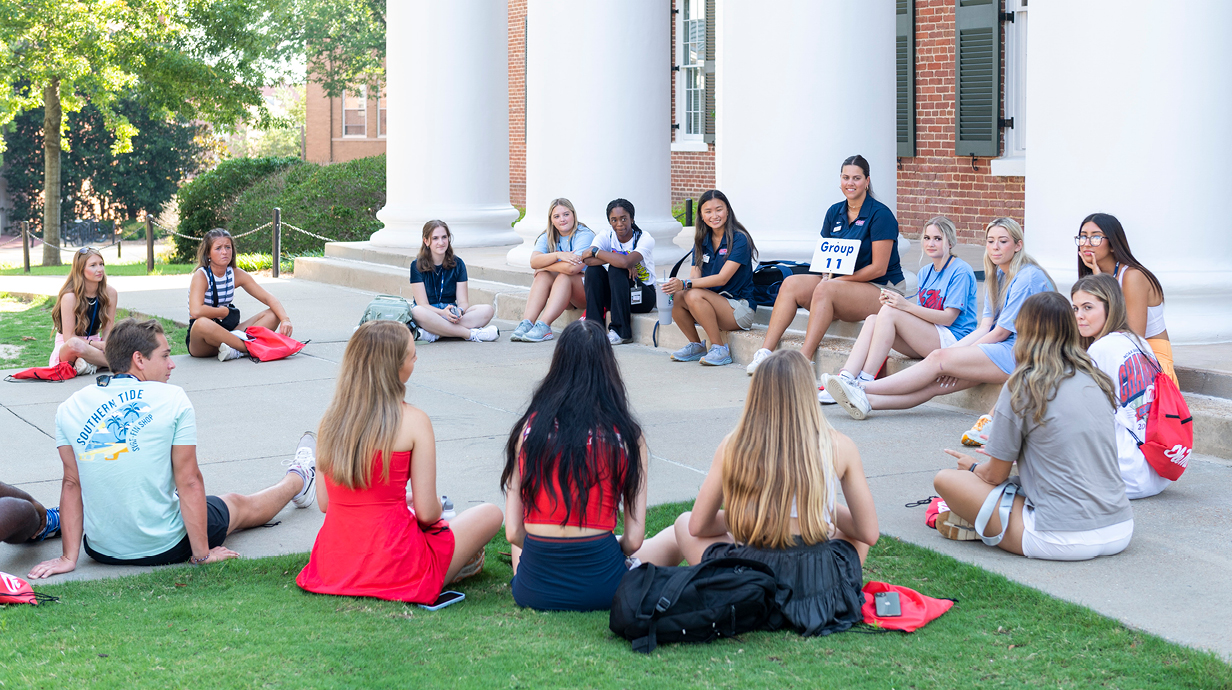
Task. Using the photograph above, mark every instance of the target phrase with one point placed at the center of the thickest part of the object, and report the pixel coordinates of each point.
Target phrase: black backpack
(718, 598)
(769, 277)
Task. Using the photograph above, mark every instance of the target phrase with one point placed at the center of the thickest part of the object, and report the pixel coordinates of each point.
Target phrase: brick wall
(935, 181)
(692, 171)
(517, 103)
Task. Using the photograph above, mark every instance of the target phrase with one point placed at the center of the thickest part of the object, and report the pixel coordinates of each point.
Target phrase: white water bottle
(447, 511)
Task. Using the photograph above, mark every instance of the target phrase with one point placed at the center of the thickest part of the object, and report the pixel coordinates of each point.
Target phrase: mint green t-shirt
(122, 435)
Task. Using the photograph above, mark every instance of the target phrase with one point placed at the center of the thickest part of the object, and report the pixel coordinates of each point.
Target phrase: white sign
(834, 255)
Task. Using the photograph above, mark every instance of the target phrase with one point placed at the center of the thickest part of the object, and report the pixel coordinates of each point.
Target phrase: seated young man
(129, 448)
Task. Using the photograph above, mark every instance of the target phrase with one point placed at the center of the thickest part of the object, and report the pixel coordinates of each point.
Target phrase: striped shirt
(221, 291)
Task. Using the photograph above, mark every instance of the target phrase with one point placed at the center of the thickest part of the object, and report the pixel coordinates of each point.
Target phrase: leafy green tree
(343, 42)
(200, 59)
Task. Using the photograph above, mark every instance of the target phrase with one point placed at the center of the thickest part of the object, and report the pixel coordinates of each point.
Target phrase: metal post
(277, 240)
(688, 213)
(117, 239)
(25, 244)
(149, 244)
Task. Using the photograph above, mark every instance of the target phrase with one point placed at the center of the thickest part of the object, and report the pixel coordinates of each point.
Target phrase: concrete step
(1208, 391)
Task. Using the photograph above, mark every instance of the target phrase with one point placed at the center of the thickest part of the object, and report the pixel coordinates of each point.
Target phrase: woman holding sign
(848, 291)
(942, 314)
(986, 355)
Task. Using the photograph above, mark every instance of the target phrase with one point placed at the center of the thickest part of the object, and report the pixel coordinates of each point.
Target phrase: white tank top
(1154, 315)
(827, 508)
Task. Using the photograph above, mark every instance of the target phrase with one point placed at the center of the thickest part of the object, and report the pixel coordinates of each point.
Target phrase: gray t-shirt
(1067, 465)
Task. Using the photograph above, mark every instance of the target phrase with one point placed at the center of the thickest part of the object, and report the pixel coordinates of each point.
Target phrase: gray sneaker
(538, 334)
(521, 330)
(304, 464)
(689, 353)
(718, 356)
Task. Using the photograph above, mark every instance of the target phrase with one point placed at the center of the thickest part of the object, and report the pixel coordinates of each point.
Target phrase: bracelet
(199, 561)
(973, 466)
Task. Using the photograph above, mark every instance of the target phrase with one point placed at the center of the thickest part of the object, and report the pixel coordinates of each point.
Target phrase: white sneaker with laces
(824, 397)
(848, 394)
(226, 352)
(84, 368)
(486, 334)
(305, 465)
(428, 337)
(613, 337)
(758, 357)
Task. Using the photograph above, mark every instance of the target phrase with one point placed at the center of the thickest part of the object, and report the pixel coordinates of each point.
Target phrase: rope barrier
(310, 234)
(198, 239)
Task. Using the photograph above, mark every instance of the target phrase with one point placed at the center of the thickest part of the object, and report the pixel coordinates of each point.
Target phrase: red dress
(371, 545)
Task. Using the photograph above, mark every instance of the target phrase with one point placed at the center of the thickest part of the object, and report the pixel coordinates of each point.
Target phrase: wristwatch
(688, 284)
(593, 252)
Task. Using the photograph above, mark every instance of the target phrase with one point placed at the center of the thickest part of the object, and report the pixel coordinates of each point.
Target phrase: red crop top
(601, 502)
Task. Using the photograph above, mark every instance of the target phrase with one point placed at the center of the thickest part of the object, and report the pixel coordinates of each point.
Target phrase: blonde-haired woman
(986, 355)
(1127, 359)
(442, 295)
(84, 314)
(371, 444)
(771, 496)
(1052, 418)
(942, 314)
(557, 260)
(214, 325)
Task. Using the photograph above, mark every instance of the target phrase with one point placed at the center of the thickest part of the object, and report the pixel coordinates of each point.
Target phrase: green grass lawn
(245, 624)
(26, 334)
(133, 268)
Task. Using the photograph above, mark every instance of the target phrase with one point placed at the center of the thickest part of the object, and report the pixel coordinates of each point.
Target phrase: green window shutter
(904, 58)
(977, 69)
(708, 116)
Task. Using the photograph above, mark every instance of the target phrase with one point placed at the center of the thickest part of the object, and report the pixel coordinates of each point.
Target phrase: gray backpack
(390, 308)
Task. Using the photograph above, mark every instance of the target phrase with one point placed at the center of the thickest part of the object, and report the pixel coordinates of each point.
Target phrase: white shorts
(947, 338)
(1073, 545)
(55, 349)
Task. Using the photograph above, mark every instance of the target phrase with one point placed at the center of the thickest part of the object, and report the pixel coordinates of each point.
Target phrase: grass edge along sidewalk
(245, 623)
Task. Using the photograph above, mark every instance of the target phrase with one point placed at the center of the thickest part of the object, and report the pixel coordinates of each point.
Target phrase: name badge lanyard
(935, 277)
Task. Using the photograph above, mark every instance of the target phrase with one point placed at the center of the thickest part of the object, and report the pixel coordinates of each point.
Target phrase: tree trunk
(51, 174)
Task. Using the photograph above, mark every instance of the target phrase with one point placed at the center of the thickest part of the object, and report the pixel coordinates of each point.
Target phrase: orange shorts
(1163, 353)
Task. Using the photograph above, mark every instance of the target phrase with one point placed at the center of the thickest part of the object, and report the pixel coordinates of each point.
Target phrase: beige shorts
(900, 287)
(742, 311)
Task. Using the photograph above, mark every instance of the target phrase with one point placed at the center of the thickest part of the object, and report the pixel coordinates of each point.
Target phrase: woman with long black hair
(573, 460)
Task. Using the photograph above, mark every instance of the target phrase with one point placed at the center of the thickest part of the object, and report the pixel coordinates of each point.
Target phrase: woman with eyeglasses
(84, 314)
(1103, 248)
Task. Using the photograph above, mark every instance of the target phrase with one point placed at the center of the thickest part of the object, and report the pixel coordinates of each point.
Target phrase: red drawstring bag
(14, 590)
(918, 610)
(59, 373)
(1169, 428)
(935, 507)
(265, 345)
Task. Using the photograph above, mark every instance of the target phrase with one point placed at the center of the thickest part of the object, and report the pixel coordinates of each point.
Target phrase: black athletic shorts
(218, 519)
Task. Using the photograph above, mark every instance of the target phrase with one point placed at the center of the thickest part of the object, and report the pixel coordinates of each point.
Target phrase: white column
(598, 117)
(447, 152)
(1129, 116)
(801, 85)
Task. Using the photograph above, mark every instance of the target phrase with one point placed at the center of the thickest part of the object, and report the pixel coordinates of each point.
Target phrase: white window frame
(347, 99)
(685, 140)
(382, 118)
(1013, 160)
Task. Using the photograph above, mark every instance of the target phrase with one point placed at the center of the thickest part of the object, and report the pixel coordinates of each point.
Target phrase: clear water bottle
(447, 511)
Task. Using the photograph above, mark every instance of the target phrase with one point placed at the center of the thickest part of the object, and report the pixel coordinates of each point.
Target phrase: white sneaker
(84, 368)
(758, 357)
(613, 337)
(428, 337)
(305, 465)
(848, 394)
(226, 352)
(486, 334)
(824, 397)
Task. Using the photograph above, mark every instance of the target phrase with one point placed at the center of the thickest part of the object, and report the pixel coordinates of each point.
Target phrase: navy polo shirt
(740, 286)
(442, 283)
(875, 222)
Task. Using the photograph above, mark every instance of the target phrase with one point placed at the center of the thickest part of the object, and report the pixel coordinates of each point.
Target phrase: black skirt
(825, 581)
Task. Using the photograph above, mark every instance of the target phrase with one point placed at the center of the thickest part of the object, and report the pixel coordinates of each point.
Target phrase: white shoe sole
(840, 396)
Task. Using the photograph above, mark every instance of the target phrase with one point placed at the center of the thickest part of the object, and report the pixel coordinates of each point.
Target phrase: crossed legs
(475, 316)
(77, 347)
(894, 328)
(207, 334)
(959, 368)
(965, 493)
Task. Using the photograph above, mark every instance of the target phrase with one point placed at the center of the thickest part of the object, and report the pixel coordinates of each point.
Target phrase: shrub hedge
(337, 201)
(205, 200)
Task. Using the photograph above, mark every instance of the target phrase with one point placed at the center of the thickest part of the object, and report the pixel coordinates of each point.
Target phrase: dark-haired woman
(1052, 417)
(718, 294)
(214, 326)
(852, 297)
(620, 273)
(442, 299)
(569, 469)
(1126, 358)
(1103, 248)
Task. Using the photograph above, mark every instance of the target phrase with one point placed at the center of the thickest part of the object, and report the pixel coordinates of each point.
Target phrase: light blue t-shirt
(952, 287)
(122, 435)
(578, 242)
(1030, 280)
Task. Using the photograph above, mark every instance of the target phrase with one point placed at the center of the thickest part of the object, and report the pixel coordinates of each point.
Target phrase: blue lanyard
(935, 275)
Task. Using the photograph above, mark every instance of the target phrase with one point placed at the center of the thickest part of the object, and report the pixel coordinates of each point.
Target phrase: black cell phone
(887, 605)
(445, 599)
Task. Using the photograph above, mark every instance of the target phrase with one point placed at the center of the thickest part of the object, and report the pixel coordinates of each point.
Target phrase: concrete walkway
(249, 417)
